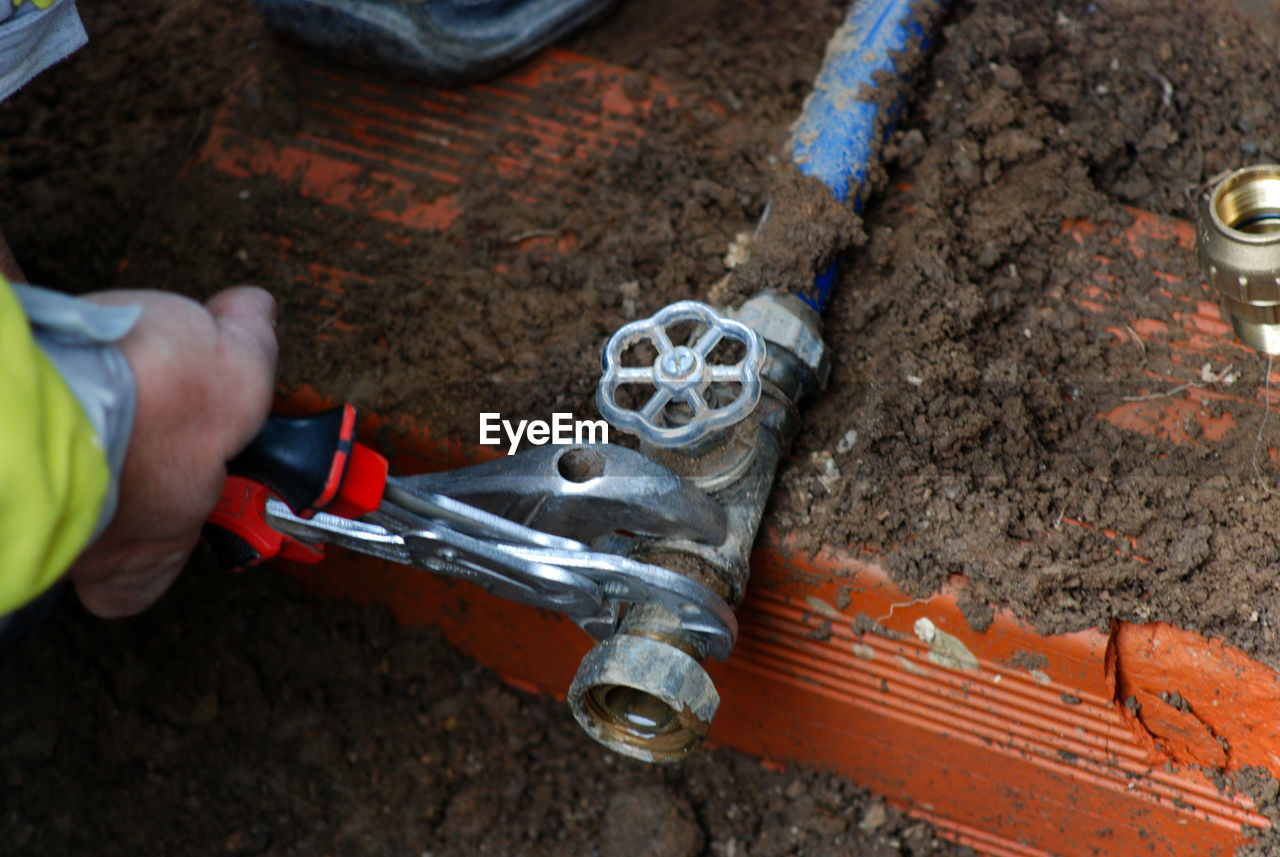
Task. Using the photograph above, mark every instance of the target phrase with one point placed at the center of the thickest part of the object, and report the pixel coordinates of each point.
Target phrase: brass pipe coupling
(713, 398)
(1238, 242)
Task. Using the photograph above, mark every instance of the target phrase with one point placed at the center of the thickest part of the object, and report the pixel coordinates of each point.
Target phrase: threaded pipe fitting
(1238, 242)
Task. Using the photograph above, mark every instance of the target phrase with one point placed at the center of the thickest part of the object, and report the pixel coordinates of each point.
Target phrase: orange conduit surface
(1009, 741)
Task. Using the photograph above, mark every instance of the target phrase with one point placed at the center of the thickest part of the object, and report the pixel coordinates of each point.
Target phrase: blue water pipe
(834, 138)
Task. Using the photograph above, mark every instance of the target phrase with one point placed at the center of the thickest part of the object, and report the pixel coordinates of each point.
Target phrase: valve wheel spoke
(656, 403)
(726, 374)
(662, 342)
(695, 400)
(635, 375)
(708, 341)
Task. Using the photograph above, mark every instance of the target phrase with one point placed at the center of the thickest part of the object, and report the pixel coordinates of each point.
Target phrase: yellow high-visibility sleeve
(53, 471)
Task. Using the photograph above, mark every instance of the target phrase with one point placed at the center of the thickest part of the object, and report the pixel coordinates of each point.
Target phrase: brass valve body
(1238, 241)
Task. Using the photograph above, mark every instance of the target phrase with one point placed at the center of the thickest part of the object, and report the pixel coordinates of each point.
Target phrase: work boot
(445, 41)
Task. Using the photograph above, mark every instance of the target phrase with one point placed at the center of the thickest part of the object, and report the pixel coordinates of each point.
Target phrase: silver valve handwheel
(681, 374)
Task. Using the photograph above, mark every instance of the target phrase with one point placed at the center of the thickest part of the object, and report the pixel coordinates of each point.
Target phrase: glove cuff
(80, 339)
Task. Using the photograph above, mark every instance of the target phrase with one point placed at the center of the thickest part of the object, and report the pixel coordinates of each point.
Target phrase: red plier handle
(313, 463)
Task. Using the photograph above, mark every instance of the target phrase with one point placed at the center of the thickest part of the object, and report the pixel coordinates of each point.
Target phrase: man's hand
(205, 381)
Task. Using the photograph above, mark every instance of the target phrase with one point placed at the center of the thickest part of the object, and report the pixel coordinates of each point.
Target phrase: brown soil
(971, 377)
(237, 718)
(491, 315)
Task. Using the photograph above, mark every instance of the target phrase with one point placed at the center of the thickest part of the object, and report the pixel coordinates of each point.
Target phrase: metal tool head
(446, 536)
(583, 493)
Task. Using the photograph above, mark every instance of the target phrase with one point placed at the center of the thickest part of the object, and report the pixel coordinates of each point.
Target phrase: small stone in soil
(874, 818)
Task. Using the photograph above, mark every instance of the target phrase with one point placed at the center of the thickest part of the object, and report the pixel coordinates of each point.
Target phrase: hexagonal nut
(1238, 244)
(786, 321)
(643, 698)
(1246, 287)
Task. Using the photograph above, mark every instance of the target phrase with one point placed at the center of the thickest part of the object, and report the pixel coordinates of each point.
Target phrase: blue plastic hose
(834, 139)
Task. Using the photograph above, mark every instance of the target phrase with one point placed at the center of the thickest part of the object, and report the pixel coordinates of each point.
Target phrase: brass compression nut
(1238, 242)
